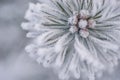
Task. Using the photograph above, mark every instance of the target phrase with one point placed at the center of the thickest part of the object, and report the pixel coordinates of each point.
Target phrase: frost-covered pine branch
(75, 36)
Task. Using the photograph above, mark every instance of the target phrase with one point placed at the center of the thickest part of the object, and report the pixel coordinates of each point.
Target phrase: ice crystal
(74, 37)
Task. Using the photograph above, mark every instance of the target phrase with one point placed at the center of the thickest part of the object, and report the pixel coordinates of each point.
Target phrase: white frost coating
(30, 48)
(61, 58)
(84, 33)
(84, 14)
(83, 24)
(74, 66)
(63, 42)
(27, 26)
(91, 23)
(106, 44)
(74, 36)
(73, 29)
(73, 20)
(84, 53)
(80, 22)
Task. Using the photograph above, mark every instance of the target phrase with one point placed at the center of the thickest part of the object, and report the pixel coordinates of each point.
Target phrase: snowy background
(15, 64)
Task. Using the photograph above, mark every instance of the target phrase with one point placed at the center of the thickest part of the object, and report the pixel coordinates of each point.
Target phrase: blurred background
(15, 64)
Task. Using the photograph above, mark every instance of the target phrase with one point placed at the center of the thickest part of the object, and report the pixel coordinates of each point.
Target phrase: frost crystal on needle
(75, 37)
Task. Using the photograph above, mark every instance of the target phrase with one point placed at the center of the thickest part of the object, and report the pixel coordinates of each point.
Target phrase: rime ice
(80, 22)
(75, 37)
